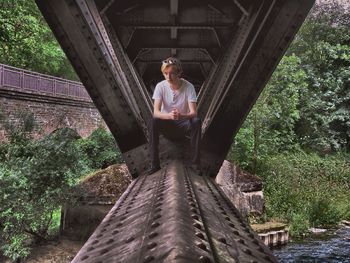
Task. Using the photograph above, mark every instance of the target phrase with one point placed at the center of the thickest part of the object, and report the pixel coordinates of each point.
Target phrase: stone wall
(50, 112)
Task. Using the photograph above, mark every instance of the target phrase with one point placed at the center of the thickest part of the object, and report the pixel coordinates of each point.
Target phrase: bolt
(128, 240)
(222, 240)
(152, 235)
(201, 246)
(200, 235)
(151, 245)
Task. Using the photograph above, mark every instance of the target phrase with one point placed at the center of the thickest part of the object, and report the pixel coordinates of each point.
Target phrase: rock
(242, 188)
(345, 223)
(232, 174)
(96, 194)
(317, 230)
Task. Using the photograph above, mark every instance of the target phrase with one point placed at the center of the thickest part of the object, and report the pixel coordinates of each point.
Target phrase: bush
(99, 150)
(36, 178)
(298, 224)
(324, 212)
(306, 189)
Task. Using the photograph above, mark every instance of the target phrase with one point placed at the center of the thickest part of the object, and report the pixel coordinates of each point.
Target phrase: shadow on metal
(174, 215)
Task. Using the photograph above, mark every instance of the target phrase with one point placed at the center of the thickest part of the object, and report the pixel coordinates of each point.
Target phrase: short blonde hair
(171, 61)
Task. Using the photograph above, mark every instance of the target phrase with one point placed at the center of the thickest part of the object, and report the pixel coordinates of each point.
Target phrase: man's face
(170, 74)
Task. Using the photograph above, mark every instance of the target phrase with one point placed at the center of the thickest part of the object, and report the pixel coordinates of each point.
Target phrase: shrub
(298, 224)
(306, 189)
(324, 212)
(36, 177)
(99, 150)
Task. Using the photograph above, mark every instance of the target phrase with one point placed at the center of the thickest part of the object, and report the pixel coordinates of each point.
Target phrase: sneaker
(153, 169)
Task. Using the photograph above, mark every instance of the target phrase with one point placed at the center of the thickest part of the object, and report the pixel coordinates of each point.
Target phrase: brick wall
(50, 112)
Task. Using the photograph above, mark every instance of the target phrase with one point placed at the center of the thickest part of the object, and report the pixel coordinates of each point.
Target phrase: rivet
(151, 245)
(222, 240)
(129, 239)
(157, 216)
(200, 235)
(246, 250)
(204, 259)
(241, 241)
(155, 224)
(197, 225)
(196, 217)
(201, 246)
(103, 251)
(148, 259)
(110, 241)
(153, 234)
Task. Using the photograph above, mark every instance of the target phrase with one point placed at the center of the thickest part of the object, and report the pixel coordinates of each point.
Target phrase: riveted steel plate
(174, 215)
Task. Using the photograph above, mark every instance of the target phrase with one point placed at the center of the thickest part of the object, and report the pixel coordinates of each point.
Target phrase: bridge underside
(229, 49)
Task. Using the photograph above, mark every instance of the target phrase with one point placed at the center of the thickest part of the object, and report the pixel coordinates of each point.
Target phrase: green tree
(269, 128)
(36, 178)
(27, 42)
(323, 45)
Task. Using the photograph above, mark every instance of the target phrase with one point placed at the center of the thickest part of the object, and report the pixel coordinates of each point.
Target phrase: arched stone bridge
(229, 49)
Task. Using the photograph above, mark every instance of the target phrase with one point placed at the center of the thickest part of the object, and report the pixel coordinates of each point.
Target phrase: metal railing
(28, 81)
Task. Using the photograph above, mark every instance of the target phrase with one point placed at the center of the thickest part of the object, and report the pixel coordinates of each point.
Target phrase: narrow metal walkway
(173, 215)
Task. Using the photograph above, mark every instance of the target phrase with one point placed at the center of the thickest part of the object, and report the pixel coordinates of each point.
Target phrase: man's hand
(175, 114)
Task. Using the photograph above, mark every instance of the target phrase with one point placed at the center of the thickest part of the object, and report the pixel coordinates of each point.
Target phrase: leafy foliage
(37, 178)
(304, 112)
(99, 149)
(269, 128)
(27, 42)
(324, 49)
(306, 189)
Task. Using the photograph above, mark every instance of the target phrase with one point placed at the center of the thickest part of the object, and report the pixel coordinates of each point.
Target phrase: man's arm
(192, 113)
(158, 114)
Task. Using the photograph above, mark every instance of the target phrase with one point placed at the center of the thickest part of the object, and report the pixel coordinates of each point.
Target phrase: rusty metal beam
(92, 65)
(174, 215)
(250, 74)
(87, 46)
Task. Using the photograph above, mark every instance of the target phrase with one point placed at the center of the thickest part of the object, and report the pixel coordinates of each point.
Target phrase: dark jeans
(175, 129)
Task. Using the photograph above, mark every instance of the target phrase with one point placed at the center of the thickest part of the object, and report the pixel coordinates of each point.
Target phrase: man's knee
(196, 121)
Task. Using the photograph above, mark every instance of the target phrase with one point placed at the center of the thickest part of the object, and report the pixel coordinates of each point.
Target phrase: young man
(174, 112)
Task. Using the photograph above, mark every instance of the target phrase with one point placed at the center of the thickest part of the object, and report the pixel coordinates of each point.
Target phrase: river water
(332, 246)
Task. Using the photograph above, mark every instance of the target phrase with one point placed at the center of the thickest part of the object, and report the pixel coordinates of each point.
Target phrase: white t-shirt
(175, 99)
